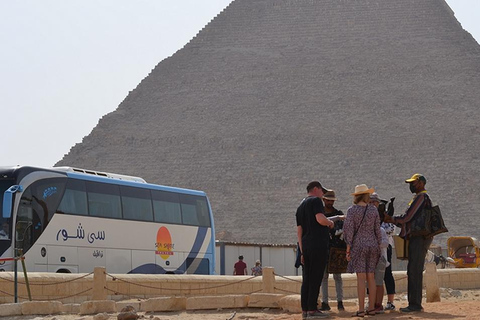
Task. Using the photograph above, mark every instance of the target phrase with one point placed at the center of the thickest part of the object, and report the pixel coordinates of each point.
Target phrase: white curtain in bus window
(194, 210)
(136, 204)
(166, 207)
(74, 199)
(103, 200)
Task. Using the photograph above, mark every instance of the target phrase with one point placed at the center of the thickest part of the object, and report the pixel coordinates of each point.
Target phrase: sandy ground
(455, 304)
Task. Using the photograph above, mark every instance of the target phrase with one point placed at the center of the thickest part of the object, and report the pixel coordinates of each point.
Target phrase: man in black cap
(418, 244)
(313, 238)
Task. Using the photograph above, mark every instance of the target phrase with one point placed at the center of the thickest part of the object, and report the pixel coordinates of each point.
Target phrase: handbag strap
(364, 212)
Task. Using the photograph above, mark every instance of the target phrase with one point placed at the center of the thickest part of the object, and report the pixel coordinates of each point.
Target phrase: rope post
(99, 284)
(268, 278)
(431, 282)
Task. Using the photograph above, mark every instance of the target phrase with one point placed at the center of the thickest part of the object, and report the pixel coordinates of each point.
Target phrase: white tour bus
(72, 220)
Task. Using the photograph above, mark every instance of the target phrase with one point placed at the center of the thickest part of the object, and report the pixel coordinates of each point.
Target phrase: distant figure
(257, 270)
(240, 268)
(4, 234)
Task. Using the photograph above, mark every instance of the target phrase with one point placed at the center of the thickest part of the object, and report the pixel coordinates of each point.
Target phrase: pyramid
(272, 94)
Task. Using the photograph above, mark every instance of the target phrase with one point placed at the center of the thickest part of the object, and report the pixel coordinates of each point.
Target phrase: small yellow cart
(464, 251)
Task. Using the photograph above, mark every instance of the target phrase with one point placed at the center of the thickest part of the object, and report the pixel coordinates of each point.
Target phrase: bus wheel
(63, 271)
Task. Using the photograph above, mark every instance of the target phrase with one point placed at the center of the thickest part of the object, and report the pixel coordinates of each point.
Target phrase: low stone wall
(79, 288)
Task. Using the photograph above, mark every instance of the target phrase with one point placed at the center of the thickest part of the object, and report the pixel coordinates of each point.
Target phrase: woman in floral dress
(363, 237)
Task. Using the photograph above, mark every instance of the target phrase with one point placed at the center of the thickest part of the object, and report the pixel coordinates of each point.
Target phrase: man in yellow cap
(418, 244)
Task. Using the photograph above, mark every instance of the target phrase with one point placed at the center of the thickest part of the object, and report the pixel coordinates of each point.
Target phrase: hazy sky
(65, 64)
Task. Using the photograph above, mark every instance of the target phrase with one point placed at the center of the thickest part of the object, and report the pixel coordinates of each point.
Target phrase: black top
(314, 235)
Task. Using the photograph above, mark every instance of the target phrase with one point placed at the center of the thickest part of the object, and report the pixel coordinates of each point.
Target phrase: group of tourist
(365, 232)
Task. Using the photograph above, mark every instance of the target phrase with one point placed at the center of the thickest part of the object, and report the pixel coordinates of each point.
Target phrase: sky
(65, 64)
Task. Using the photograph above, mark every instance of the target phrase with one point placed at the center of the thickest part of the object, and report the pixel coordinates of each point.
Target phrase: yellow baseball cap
(415, 177)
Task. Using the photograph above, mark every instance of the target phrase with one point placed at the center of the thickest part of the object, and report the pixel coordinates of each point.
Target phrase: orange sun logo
(164, 243)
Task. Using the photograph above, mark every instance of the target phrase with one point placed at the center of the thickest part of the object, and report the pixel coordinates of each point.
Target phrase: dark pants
(417, 250)
(388, 278)
(313, 269)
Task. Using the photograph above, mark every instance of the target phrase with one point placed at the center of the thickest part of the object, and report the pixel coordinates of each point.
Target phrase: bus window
(74, 200)
(103, 200)
(194, 210)
(4, 229)
(166, 207)
(136, 204)
(4, 185)
(198, 266)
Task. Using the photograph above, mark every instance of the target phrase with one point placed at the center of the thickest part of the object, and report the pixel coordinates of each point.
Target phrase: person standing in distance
(418, 245)
(313, 238)
(240, 267)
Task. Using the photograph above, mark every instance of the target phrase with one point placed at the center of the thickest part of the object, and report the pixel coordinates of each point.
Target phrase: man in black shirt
(313, 238)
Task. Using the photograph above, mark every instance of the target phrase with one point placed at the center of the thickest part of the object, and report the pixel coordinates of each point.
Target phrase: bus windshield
(5, 224)
(37, 206)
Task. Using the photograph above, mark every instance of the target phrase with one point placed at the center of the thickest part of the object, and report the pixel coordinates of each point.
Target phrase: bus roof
(98, 176)
(102, 174)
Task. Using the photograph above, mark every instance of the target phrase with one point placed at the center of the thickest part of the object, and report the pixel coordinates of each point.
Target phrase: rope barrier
(12, 259)
(180, 289)
(48, 299)
(284, 277)
(123, 294)
(116, 292)
(51, 283)
(283, 290)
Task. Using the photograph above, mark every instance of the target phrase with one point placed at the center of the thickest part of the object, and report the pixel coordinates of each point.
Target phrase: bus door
(37, 205)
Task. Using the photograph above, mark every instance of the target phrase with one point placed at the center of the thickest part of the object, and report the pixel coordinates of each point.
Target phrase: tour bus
(71, 220)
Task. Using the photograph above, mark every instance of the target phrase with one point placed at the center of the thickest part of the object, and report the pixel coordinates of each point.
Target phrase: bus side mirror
(8, 198)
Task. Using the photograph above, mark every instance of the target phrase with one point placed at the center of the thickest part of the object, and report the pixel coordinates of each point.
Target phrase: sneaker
(304, 315)
(390, 306)
(340, 306)
(317, 315)
(325, 307)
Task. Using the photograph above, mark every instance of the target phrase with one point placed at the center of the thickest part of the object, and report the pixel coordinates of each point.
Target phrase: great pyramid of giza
(272, 94)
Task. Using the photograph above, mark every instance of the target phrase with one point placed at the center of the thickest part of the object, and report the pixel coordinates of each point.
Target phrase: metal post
(15, 277)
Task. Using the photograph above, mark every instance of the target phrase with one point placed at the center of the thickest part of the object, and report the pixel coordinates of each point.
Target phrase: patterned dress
(365, 245)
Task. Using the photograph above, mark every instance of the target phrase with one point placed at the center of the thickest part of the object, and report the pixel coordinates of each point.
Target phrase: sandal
(371, 312)
(359, 314)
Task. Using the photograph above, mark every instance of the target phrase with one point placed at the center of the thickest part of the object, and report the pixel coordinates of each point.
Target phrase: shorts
(380, 271)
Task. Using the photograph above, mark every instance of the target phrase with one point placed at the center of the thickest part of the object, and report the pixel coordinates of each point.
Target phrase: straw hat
(329, 195)
(362, 189)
